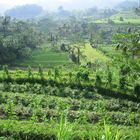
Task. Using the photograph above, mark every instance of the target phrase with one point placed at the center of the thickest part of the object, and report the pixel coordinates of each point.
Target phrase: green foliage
(122, 82)
(137, 90)
(70, 77)
(9, 109)
(30, 75)
(46, 57)
(124, 71)
(40, 72)
(109, 76)
(128, 43)
(17, 39)
(98, 81)
(109, 135)
(6, 74)
(70, 103)
(56, 73)
(65, 129)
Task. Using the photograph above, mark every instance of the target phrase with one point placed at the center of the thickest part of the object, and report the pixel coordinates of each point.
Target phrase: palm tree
(129, 43)
(79, 54)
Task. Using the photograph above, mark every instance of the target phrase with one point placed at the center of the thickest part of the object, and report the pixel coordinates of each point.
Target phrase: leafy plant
(9, 109)
(137, 90)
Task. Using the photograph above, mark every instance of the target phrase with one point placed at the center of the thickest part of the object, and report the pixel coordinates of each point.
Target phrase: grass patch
(47, 58)
(129, 18)
(93, 55)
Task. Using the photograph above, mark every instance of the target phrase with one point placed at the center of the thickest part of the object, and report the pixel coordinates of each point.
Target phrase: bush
(93, 118)
(98, 81)
(88, 95)
(72, 116)
(137, 90)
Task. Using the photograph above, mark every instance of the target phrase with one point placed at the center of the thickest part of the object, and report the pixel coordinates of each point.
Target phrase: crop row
(59, 90)
(99, 103)
(27, 106)
(61, 130)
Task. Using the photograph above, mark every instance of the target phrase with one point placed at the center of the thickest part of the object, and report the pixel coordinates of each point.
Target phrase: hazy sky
(53, 4)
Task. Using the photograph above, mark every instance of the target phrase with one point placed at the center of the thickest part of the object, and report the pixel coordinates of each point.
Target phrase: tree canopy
(17, 39)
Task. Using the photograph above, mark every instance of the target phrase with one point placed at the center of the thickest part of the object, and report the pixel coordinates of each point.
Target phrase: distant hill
(25, 11)
(62, 12)
(126, 5)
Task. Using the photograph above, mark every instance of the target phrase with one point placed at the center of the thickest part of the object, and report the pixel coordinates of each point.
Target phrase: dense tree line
(17, 40)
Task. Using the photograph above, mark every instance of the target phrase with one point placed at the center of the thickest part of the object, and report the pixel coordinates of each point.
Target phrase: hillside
(129, 17)
(70, 75)
(127, 5)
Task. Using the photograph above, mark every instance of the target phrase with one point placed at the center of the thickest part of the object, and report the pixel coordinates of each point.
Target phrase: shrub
(6, 74)
(88, 95)
(9, 109)
(98, 81)
(72, 115)
(85, 75)
(56, 73)
(93, 118)
(70, 77)
(122, 82)
(30, 75)
(40, 72)
(75, 105)
(137, 90)
(6, 86)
